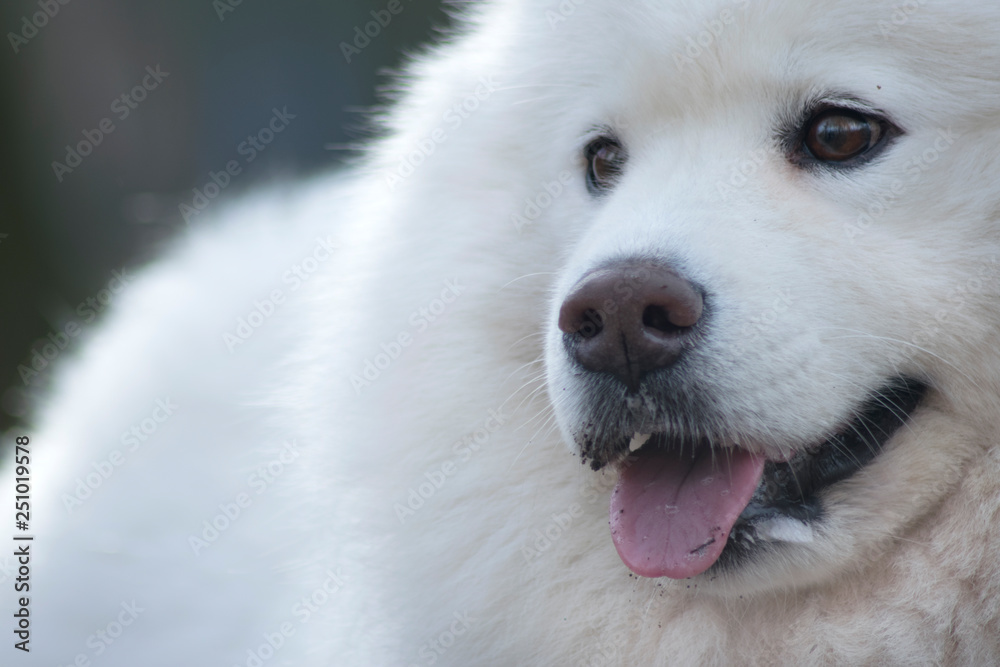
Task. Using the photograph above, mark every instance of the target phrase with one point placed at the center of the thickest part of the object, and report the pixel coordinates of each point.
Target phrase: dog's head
(779, 285)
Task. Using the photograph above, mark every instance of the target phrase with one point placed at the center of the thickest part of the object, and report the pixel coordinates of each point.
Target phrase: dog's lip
(790, 488)
(898, 398)
(785, 503)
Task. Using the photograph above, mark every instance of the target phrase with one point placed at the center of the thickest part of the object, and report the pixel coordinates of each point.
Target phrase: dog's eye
(838, 135)
(605, 161)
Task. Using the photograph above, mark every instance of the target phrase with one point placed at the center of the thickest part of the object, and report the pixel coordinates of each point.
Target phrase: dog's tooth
(638, 440)
(785, 529)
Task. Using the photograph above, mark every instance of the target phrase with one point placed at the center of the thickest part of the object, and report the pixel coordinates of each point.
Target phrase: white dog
(739, 258)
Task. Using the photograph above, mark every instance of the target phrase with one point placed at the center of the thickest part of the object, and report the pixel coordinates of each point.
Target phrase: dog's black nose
(630, 319)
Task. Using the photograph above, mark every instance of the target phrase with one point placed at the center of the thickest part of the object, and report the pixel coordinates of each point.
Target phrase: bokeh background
(64, 66)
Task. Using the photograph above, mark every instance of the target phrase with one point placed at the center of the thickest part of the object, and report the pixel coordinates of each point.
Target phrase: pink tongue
(671, 514)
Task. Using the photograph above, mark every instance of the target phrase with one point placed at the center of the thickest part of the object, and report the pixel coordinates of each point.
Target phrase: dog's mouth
(680, 509)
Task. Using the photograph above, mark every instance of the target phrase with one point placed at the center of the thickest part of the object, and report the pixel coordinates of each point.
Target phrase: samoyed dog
(650, 333)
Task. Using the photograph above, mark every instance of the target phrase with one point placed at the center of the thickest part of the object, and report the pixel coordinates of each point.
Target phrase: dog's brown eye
(605, 161)
(837, 135)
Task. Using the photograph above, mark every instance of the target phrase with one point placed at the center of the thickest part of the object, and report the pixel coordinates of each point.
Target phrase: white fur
(511, 549)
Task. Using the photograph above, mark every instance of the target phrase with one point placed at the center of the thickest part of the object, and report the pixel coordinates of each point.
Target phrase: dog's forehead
(685, 55)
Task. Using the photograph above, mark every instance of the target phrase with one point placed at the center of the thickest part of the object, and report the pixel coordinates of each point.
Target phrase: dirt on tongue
(671, 512)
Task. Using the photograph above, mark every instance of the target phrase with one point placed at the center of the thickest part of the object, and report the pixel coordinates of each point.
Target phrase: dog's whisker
(525, 277)
(551, 420)
(522, 367)
(530, 336)
(887, 339)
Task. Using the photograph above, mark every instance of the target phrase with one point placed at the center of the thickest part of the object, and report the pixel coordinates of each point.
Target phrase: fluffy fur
(434, 511)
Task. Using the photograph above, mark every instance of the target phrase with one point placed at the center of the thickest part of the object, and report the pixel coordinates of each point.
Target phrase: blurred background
(117, 113)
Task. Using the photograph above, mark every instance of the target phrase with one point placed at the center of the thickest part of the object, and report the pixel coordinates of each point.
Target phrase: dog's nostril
(657, 317)
(630, 319)
(592, 325)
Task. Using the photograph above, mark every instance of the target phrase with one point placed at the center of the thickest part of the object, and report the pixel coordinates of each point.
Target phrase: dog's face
(781, 279)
